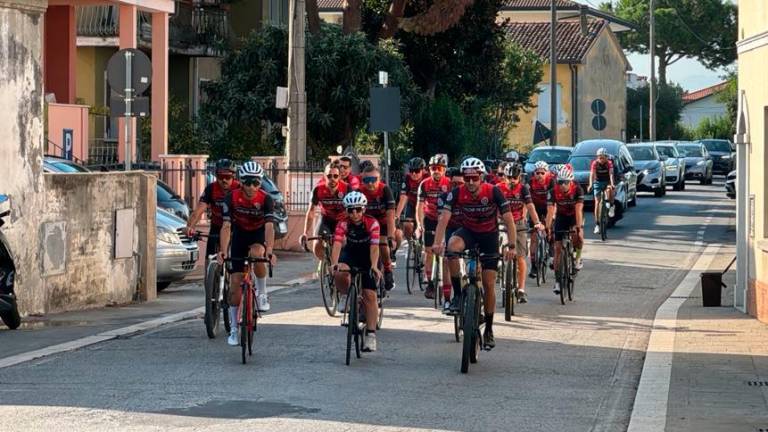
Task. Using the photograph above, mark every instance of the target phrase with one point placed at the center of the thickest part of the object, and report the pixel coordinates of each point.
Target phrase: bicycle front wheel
(564, 274)
(327, 288)
(603, 220)
(351, 320)
(470, 324)
(212, 305)
(244, 324)
(509, 290)
(411, 273)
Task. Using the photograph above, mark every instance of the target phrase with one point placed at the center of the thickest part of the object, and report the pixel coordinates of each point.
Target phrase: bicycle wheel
(509, 291)
(254, 314)
(419, 263)
(411, 270)
(244, 323)
(380, 294)
(571, 277)
(327, 289)
(479, 310)
(212, 306)
(351, 320)
(458, 326)
(471, 342)
(563, 278)
(603, 220)
(224, 287)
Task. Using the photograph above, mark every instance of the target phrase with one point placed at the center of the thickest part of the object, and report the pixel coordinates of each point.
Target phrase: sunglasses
(471, 179)
(344, 166)
(251, 182)
(563, 182)
(513, 177)
(370, 180)
(437, 168)
(540, 173)
(332, 176)
(355, 210)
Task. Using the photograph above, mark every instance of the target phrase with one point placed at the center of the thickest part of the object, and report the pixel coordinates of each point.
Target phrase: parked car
(698, 162)
(624, 171)
(169, 200)
(176, 253)
(53, 164)
(650, 169)
(723, 155)
(553, 155)
(674, 164)
(730, 185)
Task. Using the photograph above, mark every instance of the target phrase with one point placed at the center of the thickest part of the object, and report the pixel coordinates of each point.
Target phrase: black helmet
(225, 165)
(439, 159)
(416, 163)
(453, 172)
(513, 170)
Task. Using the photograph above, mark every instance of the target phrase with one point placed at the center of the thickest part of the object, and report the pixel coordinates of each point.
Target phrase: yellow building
(751, 294)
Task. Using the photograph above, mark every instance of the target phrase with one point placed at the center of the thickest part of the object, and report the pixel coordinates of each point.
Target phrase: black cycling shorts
(327, 226)
(212, 244)
(563, 223)
(488, 243)
(360, 258)
(429, 231)
(409, 212)
(241, 245)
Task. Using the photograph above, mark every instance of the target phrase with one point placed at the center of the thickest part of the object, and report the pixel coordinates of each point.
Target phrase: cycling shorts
(356, 257)
(487, 242)
(409, 212)
(598, 187)
(563, 223)
(430, 226)
(327, 226)
(241, 244)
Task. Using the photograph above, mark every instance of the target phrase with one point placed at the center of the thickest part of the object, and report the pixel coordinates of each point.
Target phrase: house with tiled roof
(591, 66)
(539, 11)
(701, 104)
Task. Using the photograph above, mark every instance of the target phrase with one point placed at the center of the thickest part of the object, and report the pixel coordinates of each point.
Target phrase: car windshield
(642, 153)
(164, 192)
(717, 145)
(690, 151)
(550, 156)
(667, 151)
(66, 167)
(581, 163)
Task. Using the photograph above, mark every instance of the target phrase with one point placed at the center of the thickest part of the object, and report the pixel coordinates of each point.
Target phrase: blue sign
(67, 143)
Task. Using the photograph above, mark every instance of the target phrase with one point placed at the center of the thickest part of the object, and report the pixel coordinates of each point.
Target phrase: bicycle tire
(410, 269)
(563, 279)
(244, 324)
(419, 259)
(509, 293)
(603, 219)
(252, 324)
(473, 355)
(327, 290)
(212, 307)
(380, 304)
(351, 320)
(458, 327)
(571, 278)
(225, 303)
(469, 327)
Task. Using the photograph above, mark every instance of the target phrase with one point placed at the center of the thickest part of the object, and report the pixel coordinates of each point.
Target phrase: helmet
(512, 170)
(416, 163)
(541, 165)
(355, 199)
(490, 164)
(225, 165)
(365, 164)
(453, 172)
(472, 164)
(439, 159)
(251, 169)
(565, 173)
(602, 151)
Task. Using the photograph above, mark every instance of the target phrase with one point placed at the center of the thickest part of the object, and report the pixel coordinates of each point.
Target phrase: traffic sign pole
(128, 99)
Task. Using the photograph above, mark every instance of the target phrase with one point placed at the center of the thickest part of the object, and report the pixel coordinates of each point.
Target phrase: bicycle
(542, 254)
(509, 285)
(216, 292)
(604, 219)
(414, 264)
(247, 311)
(567, 267)
(325, 273)
(351, 318)
(435, 280)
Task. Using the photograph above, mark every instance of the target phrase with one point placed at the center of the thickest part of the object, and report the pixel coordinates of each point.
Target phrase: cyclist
(213, 199)
(601, 178)
(457, 180)
(541, 183)
(345, 170)
(495, 172)
(565, 209)
(356, 243)
(430, 191)
(406, 206)
(381, 206)
(327, 195)
(249, 218)
(480, 205)
(519, 196)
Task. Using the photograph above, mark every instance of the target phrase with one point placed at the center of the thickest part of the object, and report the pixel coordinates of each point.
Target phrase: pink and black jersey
(478, 213)
(214, 195)
(518, 197)
(379, 201)
(540, 191)
(566, 201)
(602, 170)
(359, 235)
(410, 187)
(248, 214)
(331, 205)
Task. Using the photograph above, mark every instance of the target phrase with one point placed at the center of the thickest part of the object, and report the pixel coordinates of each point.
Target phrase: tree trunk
(392, 20)
(353, 16)
(313, 17)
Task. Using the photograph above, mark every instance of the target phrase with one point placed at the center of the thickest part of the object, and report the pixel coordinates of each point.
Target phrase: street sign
(598, 109)
(599, 123)
(540, 133)
(68, 143)
(118, 106)
(385, 109)
(140, 70)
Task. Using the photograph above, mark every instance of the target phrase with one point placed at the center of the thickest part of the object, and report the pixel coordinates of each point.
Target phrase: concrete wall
(21, 139)
(708, 107)
(78, 239)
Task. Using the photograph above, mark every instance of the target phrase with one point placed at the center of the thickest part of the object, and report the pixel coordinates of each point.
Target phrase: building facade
(702, 104)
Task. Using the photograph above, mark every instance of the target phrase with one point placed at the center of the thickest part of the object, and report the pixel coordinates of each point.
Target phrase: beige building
(751, 294)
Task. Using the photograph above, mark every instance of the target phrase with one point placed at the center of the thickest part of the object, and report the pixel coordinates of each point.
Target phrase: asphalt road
(564, 368)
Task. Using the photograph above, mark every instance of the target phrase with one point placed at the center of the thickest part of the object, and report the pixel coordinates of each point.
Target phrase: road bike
(566, 267)
(542, 255)
(325, 273)
(414, 263)
(353, 318)
(247, 312)
(603, 221)
(216, 292)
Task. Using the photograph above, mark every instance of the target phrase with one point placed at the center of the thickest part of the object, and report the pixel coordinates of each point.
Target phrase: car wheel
(658, 193)
(163, 285)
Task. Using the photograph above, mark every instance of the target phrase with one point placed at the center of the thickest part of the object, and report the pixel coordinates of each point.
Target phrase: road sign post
(385, 115)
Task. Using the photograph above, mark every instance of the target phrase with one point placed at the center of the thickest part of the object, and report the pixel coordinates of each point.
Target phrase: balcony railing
(100, 21)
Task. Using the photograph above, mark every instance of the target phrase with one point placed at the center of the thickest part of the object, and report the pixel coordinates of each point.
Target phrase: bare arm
(509, 221)
(226, 231)
(374, 251)
(420, 212)
(442, 224)
(309, 219)
(401, 205)
(391, 223)
(579, 214)
(194, 219)
(335, 253)
(550, 215)
(532, 210)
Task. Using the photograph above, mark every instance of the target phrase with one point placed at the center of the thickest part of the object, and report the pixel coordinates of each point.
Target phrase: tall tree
(668, 110)
(702, 29)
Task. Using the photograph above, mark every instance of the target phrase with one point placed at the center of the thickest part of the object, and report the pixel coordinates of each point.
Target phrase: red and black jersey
(540, 190)
(380, 200)
(248, 214)
(518, 196)
(602, 170)
(359, 235)
(214, 196)
(566, 201)
(493, 179)
(410, 187)
(331, 202)
(456, 216)
(430, 192)
(478, 213)
(353, 182)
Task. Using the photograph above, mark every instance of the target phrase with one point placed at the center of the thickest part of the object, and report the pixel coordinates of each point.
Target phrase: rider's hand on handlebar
(438, 248)
(509, 252)
(303, 240)
(221, 257)
(376, 273)
(272, 258)
(191, 233)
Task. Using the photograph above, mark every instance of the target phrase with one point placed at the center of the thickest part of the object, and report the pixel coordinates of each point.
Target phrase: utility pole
(652, 49)
(296, 153)
(641, 122)
(553, 75)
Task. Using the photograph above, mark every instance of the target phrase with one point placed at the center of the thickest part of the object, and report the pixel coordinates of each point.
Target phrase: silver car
(650, 169)
(177, 254)
(674, 164)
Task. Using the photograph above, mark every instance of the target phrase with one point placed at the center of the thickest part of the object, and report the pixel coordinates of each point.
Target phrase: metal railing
(100, 21)
(102, 152)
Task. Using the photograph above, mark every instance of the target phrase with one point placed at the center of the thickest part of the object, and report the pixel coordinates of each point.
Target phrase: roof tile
(702, 93)
(572, 45)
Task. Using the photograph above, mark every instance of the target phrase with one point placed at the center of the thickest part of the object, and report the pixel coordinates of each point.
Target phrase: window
(278, 13)
(543, 110)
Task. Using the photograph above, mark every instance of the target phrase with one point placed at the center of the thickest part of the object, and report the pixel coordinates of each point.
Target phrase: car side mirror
(664, 158)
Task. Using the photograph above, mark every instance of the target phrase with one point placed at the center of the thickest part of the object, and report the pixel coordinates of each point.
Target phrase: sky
(689, 73)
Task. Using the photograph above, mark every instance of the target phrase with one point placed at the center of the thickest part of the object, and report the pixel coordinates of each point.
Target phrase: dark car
(624, 171)
(722, 155)
(649, 168)
(53, 164)
(553, 155)
(674, 164)
(169, 201)
(730, 185)
(698, 162)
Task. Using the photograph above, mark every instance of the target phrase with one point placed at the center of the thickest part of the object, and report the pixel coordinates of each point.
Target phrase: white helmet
(355, 199)
(565, 173)
(602, 151)
(541, 165)
(472, 164)
(251, 169)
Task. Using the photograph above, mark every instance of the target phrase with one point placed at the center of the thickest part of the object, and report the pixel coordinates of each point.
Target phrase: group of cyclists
(450, 209)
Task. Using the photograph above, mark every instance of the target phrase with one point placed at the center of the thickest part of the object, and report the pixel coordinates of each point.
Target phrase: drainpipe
(574, 104)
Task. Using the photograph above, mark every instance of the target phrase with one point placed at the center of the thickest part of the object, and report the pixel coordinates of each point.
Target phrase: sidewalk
(182, 300)
(719, 377)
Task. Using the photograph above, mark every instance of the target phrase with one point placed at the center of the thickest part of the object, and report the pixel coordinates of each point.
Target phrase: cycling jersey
(410, 187)
(566, 201)
(518, 196)
(430, 192)
(358, 235)
(602, 171)
(540, 191)
(248, 214)
(330, 202)
(214, 196)
(379, 201)
(493, 179)
(478, 214)
(353, 182)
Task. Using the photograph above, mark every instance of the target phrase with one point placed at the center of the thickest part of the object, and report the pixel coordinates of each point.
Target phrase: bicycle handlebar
(252, 260)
